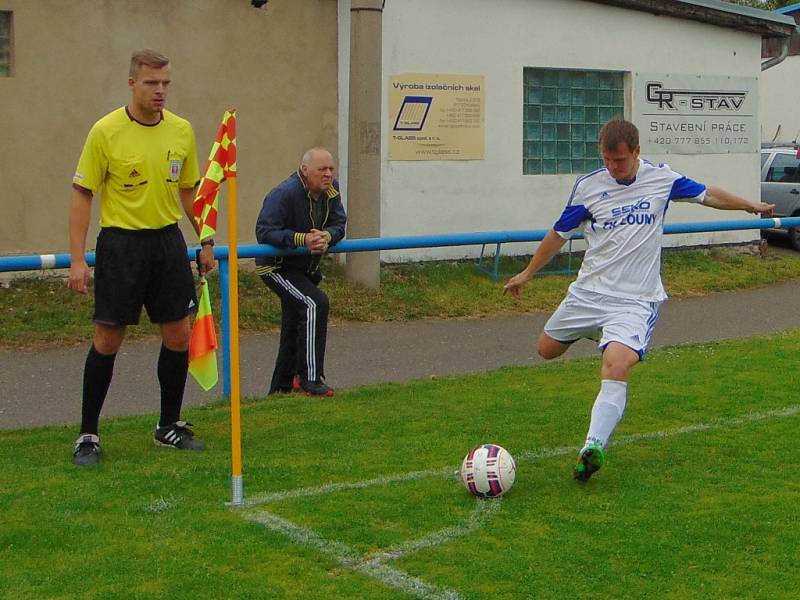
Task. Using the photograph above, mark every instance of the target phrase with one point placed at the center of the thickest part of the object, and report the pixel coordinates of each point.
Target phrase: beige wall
(276, 65)
(780, 89)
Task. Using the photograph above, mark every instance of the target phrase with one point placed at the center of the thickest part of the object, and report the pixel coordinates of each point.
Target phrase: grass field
(41, 312)
(354, 497)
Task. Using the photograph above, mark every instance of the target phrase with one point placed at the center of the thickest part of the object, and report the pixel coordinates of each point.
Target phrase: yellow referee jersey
(138, 169)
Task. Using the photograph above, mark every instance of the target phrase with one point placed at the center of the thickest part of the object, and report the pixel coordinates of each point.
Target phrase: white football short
(606, 319)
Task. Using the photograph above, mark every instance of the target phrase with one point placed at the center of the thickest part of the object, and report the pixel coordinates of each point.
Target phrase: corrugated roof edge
(715, 12)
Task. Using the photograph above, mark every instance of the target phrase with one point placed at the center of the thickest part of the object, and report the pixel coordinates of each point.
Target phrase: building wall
(276, 65)
(498, 40)
(780, 90)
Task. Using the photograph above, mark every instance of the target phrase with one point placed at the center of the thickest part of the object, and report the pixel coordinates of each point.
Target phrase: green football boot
(590, 460)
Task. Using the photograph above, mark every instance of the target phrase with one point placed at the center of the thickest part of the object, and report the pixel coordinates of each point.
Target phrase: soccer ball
(488, 471)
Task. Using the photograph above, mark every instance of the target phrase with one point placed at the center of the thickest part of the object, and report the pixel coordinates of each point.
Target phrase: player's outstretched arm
(550, 245)
(716, 197)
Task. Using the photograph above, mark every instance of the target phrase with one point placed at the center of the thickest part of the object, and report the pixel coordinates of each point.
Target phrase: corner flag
(221, 165)
(203, 343)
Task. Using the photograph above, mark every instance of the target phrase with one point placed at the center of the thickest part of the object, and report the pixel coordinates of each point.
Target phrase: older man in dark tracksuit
(305, 210)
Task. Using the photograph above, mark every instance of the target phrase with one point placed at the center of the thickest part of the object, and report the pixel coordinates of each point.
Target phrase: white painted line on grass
(484, 509)
(346, 556)
(724, 423)
(373, 564)
(340, 487)
(523, 456)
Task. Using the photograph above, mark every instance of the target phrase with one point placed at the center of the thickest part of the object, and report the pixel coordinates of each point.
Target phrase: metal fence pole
(225, 324)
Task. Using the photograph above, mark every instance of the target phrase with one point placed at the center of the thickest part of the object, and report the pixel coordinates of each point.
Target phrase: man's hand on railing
(317, 241)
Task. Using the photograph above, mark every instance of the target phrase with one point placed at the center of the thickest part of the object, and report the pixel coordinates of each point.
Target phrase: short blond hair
(148, 58)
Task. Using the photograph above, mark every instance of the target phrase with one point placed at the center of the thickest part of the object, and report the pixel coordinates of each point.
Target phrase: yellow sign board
(436, 117)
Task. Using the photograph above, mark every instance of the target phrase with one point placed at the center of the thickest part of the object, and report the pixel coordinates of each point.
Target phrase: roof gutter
(723, 14)
(776, 60)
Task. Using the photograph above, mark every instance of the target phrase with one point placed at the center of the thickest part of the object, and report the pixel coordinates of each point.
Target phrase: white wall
(498, 39)
(780, 93)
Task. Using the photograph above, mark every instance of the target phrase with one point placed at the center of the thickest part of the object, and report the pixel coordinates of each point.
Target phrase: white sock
(607, 411)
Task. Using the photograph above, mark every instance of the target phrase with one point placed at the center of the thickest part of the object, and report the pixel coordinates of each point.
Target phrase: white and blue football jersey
(623, 226)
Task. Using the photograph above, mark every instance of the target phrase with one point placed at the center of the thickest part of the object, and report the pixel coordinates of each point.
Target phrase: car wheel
(794, 237)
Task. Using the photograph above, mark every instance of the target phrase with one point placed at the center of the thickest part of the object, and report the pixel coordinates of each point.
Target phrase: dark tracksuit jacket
(287, 215)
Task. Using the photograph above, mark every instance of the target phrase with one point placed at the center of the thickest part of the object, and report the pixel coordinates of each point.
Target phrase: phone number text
(722, 140)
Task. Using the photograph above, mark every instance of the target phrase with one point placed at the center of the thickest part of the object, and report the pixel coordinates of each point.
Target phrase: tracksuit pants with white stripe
(304, 327)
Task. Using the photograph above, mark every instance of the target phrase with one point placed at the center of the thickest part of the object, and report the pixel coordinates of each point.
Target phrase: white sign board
(696, 114)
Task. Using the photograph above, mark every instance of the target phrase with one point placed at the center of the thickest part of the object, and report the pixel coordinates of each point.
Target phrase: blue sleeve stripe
(575, 187)
(572, 217)
(686, 188)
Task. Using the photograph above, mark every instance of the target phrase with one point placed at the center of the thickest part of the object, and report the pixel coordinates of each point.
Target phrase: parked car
(780, 184)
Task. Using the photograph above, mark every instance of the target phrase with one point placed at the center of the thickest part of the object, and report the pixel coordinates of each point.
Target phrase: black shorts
(138, 268)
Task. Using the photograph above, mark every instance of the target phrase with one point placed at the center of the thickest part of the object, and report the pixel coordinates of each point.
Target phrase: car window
(784, 169)
(764, 157)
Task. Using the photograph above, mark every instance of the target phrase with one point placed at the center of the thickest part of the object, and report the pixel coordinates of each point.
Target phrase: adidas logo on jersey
(605, 196)
(191, 304)
(134, 173)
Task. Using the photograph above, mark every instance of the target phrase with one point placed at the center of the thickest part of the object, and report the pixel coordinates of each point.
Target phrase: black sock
(172, 369)
(96, 378)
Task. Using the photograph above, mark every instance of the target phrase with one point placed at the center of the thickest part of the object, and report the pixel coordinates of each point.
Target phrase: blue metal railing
(62, 261)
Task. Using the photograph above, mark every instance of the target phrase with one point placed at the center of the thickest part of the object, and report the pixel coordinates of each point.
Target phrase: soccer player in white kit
(616, 297)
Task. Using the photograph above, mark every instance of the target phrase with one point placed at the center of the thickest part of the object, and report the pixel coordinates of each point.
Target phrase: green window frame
(563, 110)
(5, 43)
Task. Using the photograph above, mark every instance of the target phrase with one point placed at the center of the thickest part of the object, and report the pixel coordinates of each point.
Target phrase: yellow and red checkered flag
(203, 343)
(221, 165)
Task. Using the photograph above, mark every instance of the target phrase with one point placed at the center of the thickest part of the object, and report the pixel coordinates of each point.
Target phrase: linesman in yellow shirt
(142, 161)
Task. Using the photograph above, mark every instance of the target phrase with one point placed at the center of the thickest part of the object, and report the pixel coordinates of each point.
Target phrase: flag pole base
(237, 491)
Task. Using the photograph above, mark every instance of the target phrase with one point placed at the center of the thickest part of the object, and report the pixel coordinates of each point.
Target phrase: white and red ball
(488, 471)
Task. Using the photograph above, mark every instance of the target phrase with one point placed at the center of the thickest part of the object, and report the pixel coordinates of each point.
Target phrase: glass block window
(563, 111)
(5, 44)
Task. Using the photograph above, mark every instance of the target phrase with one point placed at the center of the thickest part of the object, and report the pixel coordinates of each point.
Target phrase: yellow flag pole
(237, 486)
